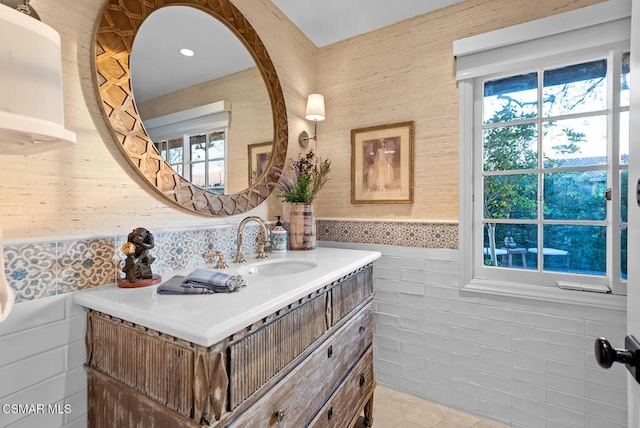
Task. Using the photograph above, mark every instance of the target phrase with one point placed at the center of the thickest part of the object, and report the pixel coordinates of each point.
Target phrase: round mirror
(204, 130)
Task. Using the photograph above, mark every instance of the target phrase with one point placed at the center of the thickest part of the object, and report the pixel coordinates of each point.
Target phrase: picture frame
(258, 155)
(382, 164)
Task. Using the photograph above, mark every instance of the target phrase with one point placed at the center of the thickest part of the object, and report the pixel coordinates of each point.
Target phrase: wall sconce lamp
(31, 103)
(315, 112)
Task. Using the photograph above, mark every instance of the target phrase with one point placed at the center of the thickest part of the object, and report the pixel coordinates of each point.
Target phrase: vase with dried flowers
(309, 174)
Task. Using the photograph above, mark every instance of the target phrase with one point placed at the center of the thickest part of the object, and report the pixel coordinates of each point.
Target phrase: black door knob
(606, 354)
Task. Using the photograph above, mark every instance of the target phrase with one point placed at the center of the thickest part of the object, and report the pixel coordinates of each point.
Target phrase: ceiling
(157, 68)
(329, 21)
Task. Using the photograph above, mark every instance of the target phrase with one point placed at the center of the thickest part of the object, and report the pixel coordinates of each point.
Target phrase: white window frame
(189, 163)
(558, 40)
(163, 148)
(201, 120)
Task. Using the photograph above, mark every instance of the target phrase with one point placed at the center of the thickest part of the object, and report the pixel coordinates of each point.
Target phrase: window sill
(548, 294)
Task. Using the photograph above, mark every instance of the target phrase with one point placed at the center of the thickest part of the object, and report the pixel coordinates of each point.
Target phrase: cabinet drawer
(343, 407)
(256, 358)
(347, 295)
(294, 400)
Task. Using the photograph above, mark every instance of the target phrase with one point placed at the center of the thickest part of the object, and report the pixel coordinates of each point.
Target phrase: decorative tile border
(32, 270)
(41, 269)
(82, 264)
(37, 270)
(397, 233)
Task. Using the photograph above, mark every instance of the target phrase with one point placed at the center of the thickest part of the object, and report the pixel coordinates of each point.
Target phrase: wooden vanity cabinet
(308, 364)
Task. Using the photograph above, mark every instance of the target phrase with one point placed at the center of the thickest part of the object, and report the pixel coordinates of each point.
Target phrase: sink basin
(278, 267)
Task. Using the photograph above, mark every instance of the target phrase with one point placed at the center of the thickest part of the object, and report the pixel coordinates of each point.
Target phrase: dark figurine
(137, 265)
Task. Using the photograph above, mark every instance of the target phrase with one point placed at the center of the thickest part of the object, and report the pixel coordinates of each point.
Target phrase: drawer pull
(330, 352)
(330, 413)
(280, 415)
(362, 379)
(362, 329)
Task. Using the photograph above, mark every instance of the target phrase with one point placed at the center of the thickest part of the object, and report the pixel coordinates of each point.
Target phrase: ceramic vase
(302, 227)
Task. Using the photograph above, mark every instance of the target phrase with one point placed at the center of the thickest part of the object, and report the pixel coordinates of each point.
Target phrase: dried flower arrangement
(309, 174)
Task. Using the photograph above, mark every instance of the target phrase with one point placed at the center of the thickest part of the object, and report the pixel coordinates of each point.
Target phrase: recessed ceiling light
(187, 52)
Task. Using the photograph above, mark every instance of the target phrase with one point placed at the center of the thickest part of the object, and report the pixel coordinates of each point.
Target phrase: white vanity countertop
(208, 319)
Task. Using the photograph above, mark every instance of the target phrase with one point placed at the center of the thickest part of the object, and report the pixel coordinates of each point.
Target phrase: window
(546, 173)
(198, 158)
(544, 150)
(207, 161)
(194, 143)
(173, 152)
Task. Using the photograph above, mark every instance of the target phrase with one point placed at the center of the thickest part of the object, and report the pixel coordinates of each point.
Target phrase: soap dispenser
(279, 240)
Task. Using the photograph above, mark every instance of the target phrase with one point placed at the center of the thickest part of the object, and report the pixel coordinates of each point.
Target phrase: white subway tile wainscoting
(503, 360)
(42, 379)
(518, 362)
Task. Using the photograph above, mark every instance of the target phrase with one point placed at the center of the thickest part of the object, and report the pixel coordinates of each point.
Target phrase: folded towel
(174, 286)
(218, 282)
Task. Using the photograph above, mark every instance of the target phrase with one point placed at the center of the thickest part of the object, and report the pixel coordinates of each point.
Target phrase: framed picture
(258, 158)
(382, 164)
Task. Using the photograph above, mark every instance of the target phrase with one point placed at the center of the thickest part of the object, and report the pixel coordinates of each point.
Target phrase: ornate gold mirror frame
(119, 23)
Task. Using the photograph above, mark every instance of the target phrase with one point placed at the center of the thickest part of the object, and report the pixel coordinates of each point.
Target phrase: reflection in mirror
(115, 35)
(207, 160)
(186, 102)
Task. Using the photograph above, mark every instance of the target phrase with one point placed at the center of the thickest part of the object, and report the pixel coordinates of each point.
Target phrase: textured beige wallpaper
(406, 72)
(89, 189)
(400, 73)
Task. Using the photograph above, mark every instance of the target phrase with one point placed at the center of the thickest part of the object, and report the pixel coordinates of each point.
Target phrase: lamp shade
(315, 107)
(31, 99)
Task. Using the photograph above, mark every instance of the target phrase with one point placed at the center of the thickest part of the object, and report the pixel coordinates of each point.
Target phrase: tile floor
(392, 409)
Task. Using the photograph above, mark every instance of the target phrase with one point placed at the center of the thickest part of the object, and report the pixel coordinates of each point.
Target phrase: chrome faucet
(261, 244)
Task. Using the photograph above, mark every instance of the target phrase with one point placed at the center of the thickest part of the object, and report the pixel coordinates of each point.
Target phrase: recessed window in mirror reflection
(173, 152)
(186, 103)
(207, 161)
